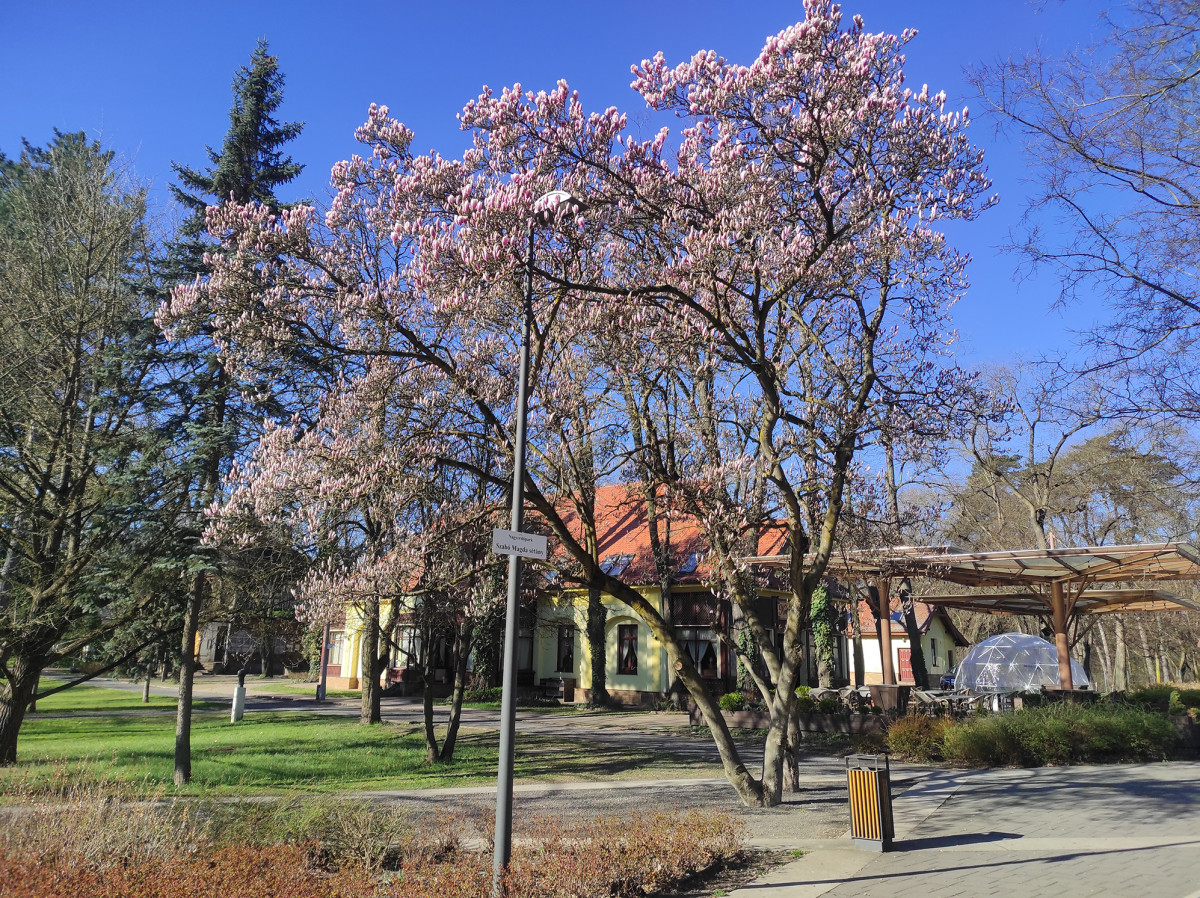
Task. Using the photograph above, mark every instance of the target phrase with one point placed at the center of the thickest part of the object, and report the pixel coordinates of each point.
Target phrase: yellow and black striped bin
(868, 779)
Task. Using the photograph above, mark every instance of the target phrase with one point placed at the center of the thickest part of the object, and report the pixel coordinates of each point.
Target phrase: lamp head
(555, 205)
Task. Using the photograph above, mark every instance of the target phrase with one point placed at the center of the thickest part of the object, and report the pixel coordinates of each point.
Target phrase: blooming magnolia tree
(772, 273)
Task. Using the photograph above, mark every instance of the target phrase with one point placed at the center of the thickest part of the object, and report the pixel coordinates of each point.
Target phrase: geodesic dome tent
(1013, 662)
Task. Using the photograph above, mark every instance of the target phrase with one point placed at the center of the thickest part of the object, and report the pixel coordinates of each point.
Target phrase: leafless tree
(1111, 139)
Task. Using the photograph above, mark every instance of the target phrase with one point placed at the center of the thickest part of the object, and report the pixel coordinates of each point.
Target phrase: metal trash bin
(868, 780)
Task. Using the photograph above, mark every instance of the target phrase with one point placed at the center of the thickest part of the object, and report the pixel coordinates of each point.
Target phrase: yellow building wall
(351, 675)
(570, 607)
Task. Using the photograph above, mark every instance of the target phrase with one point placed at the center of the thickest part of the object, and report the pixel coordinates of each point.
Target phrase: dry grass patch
(89, 839)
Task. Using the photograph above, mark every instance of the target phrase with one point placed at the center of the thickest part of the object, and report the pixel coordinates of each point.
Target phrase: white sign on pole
(527, 545)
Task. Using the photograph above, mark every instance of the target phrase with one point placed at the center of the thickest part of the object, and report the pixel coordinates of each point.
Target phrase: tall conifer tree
(249, 167)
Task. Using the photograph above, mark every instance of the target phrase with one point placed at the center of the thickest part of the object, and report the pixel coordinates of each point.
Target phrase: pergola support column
(1058, 608)
(883, 587)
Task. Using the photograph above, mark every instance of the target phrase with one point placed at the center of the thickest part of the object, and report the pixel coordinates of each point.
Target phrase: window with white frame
(337, 643)
(701, 645)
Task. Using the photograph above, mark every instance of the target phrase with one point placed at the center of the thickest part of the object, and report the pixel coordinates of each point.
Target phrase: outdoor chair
(855, 698)
(962, 702)
(923, 702)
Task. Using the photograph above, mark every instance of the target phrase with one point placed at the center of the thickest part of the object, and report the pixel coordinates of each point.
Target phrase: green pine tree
(249, 167)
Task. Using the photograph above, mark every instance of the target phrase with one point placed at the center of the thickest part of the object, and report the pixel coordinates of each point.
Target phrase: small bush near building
(804, 701)
(482, 694)
(732, 701)
(1052, 734)
(828, 705)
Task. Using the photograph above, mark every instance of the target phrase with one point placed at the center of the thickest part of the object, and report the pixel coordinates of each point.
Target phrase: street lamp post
(546, 210)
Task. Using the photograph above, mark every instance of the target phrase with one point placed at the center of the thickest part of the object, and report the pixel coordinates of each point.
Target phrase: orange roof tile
(623, 530)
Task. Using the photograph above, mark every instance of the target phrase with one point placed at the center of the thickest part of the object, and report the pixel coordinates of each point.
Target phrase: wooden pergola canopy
(1090, 601)
(1059, 584)
(1083, 567)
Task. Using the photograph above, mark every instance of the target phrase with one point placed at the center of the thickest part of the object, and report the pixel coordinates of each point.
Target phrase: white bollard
(239, 704)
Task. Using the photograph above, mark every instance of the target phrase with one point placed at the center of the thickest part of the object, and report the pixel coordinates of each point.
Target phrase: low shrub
(1052, 734)
(338, 833)
(917, 737)
(618, 856)
(732, 701)
(828, 705)
(480, 694)
(870, 743)
(42, 816)
(1158, 698)
(805, 703)
(230, 871)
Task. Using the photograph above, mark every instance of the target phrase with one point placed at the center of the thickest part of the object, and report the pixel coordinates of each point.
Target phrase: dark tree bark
(372, 669)
(16, 695)
(431, 746)
(462, 653)
(597, 619)
(187, 672)
(917, 651)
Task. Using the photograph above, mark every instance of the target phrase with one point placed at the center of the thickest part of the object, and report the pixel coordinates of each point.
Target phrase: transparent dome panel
(1013, 662)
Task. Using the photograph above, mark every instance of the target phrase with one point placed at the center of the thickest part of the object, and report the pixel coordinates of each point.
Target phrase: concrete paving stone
(1122, 830)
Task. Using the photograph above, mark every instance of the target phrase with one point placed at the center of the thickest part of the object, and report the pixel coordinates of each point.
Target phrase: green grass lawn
(297, 752)
(100, 698)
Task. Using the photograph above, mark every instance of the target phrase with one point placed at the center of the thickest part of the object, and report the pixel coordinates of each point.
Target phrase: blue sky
(152, 80)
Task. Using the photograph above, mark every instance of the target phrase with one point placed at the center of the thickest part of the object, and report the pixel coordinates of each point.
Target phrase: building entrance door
(904, 656)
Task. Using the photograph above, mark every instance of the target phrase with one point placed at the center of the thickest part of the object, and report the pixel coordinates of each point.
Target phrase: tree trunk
(268, 654)
(1147, 657)
(1121, 657)
(371, 669)
(859, 657)
(916, 648)
(792, 759)
(187, 671)
(748, 789)
(462, 652)
(1105, 658)
(783, 707)
(16, 697)
(146, 687)
(431, 746)
(597, 618)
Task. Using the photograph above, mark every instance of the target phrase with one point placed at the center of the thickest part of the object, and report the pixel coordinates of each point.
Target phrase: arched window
(627, 649)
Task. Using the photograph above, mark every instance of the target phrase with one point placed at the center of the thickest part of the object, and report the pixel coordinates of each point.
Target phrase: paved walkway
(1130, 830)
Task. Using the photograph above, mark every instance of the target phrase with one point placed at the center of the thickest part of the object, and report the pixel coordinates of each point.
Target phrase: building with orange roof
(637, 670)
(941, 642)
(552, 644)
